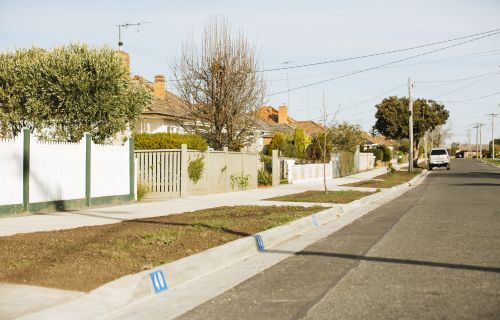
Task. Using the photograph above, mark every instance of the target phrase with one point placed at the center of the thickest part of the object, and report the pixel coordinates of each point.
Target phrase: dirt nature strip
(343, 196)
(87, 257)
(387, 180)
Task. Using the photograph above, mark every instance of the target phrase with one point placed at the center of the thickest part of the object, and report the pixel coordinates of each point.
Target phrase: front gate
(159, 171)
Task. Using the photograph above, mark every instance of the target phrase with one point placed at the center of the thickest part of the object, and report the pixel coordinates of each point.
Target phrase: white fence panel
(366, 161)
(301, 172)
(11, 171)
(57, 171)
(110, 174)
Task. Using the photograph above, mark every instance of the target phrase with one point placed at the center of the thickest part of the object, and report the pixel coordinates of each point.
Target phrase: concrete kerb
(135, 287)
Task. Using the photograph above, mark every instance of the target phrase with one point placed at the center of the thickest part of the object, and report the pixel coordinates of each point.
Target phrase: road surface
(433, 253)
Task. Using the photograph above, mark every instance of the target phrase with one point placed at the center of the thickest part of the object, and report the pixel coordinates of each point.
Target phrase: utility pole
(480, 125)
(492, 115)
(287, 83)
(126, 25)
(476, 126)
(468, 142)
(410, 125)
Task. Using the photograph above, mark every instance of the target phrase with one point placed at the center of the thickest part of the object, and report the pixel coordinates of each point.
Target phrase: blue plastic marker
(260, 243)
(158, 281)
(315, 220)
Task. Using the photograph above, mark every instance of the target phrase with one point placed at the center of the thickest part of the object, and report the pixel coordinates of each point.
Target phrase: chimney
(159, 86)
(283, 114)
(125, 59)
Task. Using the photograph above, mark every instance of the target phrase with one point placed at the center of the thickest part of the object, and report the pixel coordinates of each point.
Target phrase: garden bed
(87, 257)
(344, 196)
(387, 180)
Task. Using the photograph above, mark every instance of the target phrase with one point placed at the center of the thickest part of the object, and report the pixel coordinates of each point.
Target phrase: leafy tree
(346, 137)
(299, 143)
(392, 118)
(63, 93)
(277, 143)
(220, 85)
(317, 146)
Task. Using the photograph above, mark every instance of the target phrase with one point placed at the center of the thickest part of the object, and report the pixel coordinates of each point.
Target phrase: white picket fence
(159, 170)
(40, 173)
(11, 171)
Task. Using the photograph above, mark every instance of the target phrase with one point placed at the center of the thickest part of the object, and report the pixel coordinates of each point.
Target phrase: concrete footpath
(108, 215)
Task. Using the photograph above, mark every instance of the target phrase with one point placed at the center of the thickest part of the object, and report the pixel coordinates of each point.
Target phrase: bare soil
(387, 180)
(87, 257)
(344, 196)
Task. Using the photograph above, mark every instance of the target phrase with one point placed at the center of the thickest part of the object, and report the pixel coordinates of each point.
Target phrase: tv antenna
(127, 25)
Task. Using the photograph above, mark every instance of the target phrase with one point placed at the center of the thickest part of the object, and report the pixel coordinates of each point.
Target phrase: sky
(300, 32)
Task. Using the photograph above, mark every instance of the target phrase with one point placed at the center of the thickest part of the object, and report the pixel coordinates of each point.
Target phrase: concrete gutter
(132, 288)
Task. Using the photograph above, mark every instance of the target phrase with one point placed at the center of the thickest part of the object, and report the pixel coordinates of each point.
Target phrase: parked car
(439, 158)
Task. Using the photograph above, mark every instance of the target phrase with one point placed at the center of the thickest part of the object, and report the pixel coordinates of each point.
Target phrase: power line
(471, 99)
(382, 53)
(460, 79)
(467, 85)
(383, 65)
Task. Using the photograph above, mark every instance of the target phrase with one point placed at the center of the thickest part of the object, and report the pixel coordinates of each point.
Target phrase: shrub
(378, 153)
(195, 169)
(240, 180)
(264, 177)
(148, 141)
(386, 153)
(142, 190)
(266, 159)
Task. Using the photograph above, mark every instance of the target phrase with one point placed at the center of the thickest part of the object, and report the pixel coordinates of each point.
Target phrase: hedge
(148, 141)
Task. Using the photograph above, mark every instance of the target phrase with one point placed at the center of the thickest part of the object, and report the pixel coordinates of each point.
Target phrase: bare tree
(220, 84)
(439, 135)
(325, 144)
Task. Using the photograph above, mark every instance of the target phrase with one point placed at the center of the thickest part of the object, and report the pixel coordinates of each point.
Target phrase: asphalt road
(433, 253)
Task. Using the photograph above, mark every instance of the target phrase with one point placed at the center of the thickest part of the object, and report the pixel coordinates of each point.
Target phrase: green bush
(264, 177)
(266, 159)
(149, 141)
(378, 153)
(142, 190)
(386, 153)
(195, 169)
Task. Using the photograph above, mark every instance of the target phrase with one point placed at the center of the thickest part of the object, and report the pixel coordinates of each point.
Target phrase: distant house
(165, 113)
(371, 142)
(272, 121)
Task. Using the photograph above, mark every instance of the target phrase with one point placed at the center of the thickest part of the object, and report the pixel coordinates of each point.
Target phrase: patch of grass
(387, 180)
(142, 190)
(495, 162)
(87, 257)
(343, 196)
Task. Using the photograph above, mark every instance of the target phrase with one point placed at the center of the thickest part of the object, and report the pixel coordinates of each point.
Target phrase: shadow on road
(390, 260)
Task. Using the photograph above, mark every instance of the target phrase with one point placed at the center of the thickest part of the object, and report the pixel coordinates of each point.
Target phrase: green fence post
(88, 150)
(132, 167)
(26, 168)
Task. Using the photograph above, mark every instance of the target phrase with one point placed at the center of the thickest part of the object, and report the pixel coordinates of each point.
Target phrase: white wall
(110, 170)
(301, 172)
(366, 161)
(11, 171)
(57, 171)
